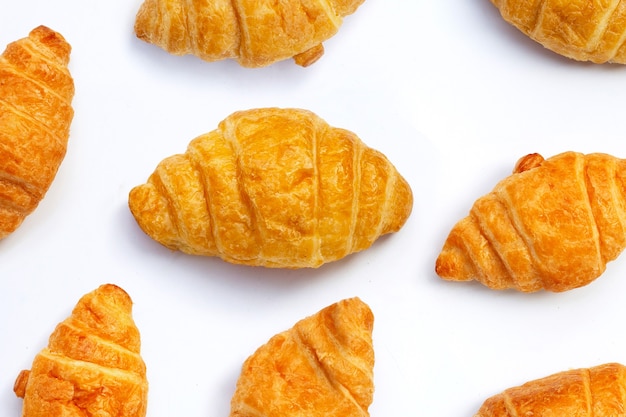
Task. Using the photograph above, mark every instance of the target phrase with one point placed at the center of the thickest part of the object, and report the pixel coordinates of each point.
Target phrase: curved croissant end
(596, 391)
(323, 366)
(35, 115)
(577, 29)
(91, 365)
(276, 188)
(553, 224)
(254, 32)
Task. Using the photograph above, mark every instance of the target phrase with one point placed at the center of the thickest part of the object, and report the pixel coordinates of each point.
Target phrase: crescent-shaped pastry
(553, 224)
(321, 367)
(36, 91)
(256, 33)
(273, 187)
(584, 30)
(587, 392)
(92, 364)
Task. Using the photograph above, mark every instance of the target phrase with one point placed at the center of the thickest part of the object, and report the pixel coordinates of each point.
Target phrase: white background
(451, 94)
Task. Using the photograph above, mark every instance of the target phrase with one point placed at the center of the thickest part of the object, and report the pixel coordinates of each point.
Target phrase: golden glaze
(584, 30)
(553, 224)
(273, 187)
(36, 92)
(92, 364)
(589, 392)
(322, 366)
(256, 33)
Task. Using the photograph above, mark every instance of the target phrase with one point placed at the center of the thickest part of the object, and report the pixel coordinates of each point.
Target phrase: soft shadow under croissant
(553, 224)
(273, 187)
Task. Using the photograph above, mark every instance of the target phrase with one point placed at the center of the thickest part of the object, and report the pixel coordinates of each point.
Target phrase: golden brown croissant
(597, 391)
(553, 224)
(256, 33)
(323, 366)
(273, 187)
(584, 30)
(36, 91)
(92, 364)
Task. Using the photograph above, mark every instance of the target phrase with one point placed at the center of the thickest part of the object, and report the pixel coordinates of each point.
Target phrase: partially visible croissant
(36, 91)
(322, 367)
(599, 391)
(92, 364)
(256, 33)
(273, 187)
(584, 30)
(553, 224)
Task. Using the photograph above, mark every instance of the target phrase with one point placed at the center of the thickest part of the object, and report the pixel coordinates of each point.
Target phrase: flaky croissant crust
(92, 364)
(584, 30)
(36, 91)
(553, 224)
(322, 366)
(273, 187)
(587, 392)
(256, 33)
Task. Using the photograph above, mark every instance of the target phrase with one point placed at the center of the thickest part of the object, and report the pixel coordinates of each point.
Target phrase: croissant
(36, 90)
(583, 30)
(256, 33)
(92, 364)
(553, 224)
(596, 391)
(273, 187)
(322, 366)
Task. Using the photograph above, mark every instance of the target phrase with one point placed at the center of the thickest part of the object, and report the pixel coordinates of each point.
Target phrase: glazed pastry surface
(256, 33)
(322, 366)
(92, 364)
(584, 30)
(553, 224)
(589, 392)
(36, 92)
(273, 187)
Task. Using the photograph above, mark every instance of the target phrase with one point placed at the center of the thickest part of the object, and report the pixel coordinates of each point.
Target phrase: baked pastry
(323, 366)
(256, 33)
(92, 364)
(553, 224)
(587, 392)
(273, 187)
(584, 30)
(36, 91)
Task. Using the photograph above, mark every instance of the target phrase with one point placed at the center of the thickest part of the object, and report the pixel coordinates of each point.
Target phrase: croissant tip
(528, 162)
(451, 267)
(114, 290)
(20, 383)
(310, 56)
(51, 38)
